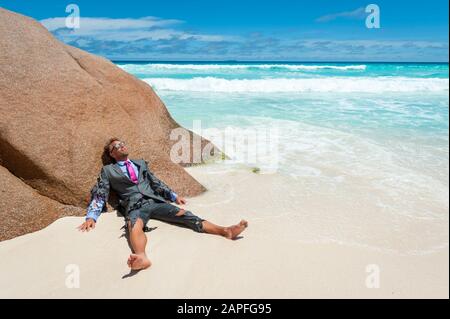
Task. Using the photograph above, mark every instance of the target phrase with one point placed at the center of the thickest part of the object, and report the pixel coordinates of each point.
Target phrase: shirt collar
(122, 163)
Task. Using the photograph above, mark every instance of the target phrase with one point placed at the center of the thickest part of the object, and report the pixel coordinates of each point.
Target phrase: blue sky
(281, 30)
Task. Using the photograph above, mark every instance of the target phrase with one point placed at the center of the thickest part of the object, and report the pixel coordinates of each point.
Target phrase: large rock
(58, 106)
(23, 210)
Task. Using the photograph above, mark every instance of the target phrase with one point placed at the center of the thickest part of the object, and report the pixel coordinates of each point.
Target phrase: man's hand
(180, 201)
(87, 225)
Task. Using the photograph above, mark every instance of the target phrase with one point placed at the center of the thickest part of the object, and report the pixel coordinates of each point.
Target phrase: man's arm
(160, 187)
(95, 208)
(99, 197)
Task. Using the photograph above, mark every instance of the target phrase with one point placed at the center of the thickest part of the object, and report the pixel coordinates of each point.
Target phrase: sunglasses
(117, 146)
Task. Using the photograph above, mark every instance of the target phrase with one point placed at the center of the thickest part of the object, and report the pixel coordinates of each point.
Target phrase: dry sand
(265, 263)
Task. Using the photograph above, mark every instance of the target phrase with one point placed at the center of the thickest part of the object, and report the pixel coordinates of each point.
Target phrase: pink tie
(131, 172)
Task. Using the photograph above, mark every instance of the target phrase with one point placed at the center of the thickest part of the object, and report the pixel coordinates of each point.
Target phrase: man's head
(116, 149)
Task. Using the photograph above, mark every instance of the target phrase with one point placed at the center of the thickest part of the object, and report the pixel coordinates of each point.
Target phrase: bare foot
(138, 262)
(233, 231)
(131, 259)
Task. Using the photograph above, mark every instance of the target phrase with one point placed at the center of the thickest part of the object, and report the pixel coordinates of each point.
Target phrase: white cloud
(355, 14)
(88, 25)
(124, 30)
(375, 43)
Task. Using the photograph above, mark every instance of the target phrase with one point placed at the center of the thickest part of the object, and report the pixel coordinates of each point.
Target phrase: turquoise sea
(378, 130)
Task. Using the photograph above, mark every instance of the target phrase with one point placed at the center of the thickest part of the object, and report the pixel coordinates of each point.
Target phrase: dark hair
(106, 156)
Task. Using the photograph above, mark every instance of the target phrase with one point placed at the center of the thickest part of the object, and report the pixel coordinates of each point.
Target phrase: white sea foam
(329, 84)
(397, 177)
(205, 67)
(350, 190)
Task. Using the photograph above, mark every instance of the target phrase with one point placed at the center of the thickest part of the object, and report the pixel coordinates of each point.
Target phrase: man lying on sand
(142, 196)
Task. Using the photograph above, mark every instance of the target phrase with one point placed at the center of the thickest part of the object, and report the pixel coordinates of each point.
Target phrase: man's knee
(136, 225)
(192, 221)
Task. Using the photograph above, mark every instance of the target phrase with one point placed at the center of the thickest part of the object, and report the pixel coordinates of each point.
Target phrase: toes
(131, 259)
(141, 265)
(139, 262)
(233, 231)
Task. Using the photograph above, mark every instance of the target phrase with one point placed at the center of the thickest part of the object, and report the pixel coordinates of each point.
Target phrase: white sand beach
(271, 260)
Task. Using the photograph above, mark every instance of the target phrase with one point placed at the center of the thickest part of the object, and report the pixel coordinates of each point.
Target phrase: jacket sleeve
(160, 187)
(100, 193)
(95, 209)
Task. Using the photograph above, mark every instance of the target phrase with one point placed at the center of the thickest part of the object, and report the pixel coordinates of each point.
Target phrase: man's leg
(138, 260)
(173, 214)
(231, 232)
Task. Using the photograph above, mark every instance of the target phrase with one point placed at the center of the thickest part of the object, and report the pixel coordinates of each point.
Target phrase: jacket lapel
(116, 167)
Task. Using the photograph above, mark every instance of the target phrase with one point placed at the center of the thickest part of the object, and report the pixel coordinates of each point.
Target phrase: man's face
(118, 150)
